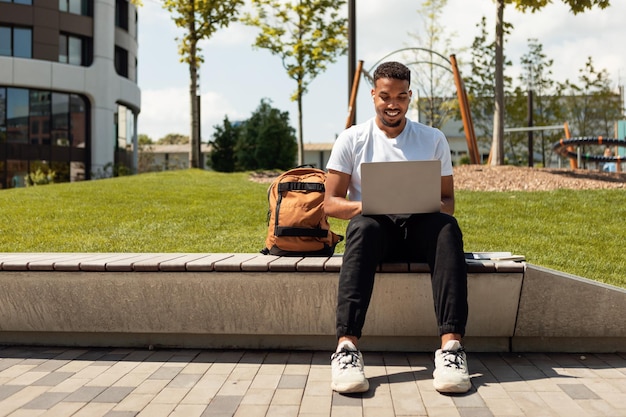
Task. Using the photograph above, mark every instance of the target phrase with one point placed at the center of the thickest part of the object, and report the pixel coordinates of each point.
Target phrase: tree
(267, 141)
(592, 106)
(481, 81)
(173, 139)
(576, 6)
(146, 158)
(306, 35)
(538, 81)
(222, 154)
(201, 19)
(143, 139)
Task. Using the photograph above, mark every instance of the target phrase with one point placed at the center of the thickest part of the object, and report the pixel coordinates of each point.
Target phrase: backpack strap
(301, 186)
(300, 231)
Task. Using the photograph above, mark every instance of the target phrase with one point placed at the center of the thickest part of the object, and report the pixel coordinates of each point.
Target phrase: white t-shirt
(365, 142)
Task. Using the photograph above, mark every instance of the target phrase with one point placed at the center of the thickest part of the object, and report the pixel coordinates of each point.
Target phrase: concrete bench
(257, 301)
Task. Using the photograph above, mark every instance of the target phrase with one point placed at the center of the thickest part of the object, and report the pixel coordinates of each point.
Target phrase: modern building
(69, 98)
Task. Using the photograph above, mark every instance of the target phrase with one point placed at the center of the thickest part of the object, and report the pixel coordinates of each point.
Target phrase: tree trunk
(194, 155)
(497, 143)
(300, 135)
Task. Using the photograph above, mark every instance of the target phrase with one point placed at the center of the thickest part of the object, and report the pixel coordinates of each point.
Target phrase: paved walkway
(188, 383)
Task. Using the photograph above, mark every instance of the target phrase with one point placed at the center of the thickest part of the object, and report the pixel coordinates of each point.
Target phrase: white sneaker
(451, 373)
(347, 370)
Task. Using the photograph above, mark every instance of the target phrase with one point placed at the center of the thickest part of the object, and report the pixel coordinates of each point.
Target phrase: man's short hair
(394, 70)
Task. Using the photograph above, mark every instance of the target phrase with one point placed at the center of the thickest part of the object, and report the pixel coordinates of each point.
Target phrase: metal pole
(200, 156)
(531, 153)
(351, 55)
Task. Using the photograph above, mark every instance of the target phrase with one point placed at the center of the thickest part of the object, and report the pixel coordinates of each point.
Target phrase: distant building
(168, 157)
(69, 98)
(172, 157)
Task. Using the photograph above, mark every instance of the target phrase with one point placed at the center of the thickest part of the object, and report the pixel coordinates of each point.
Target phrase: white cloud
(163, 111)
(167, 111)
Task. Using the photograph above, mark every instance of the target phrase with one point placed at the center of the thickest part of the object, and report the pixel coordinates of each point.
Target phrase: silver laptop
(401, 187)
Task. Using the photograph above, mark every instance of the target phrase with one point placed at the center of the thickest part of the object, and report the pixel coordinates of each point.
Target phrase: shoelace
(347, 358)
(453, 358)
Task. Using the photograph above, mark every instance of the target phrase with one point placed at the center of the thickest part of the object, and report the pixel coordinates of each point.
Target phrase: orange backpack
(297, 224)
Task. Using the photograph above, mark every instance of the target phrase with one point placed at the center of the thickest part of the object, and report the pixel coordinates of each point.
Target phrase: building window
(39, 114)
(82, 7)
(74, 50)
(121, 61)
(60, 131)
(41, 129)
(17, 115)
(6, 41)
(78, 121)
(121, 14)
(26, 2)
(16, 41)
(3, 116)
(136, 31)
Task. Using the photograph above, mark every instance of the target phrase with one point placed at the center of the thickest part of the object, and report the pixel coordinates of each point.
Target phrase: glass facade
(124, 133)
(16, 41)
(121, 61)
(6, 41)
(46, 134)
(74, 50)
(121, 14)
(82, 7)
(26, 2)
(43, 137)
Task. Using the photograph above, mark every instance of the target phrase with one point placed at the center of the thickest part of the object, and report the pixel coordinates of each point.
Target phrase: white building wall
(105, 95)
(99, 82)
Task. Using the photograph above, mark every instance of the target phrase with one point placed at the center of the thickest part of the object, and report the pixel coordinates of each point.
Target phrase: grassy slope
(580, 232)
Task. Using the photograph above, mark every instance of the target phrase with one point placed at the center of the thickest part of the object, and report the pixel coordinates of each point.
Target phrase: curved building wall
(90, 57)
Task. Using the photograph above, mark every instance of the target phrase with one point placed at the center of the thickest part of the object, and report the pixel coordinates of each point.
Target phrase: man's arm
(447, 195)
(335, 202)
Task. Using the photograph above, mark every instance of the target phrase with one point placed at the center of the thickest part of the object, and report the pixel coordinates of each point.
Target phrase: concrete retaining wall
(256, 301)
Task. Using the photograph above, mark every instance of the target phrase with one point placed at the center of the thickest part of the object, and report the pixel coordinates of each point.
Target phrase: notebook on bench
(401, 187)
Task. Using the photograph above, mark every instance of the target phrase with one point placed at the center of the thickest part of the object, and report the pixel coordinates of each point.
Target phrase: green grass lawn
(579, 232)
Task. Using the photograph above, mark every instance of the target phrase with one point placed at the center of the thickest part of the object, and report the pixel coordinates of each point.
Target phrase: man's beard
(388, 124)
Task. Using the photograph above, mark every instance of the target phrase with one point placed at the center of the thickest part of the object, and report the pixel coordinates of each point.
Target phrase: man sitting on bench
(390, 136)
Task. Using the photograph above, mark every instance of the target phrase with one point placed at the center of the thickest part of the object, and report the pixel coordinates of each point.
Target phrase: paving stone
(8, 390)
(189, 383)
(292, 381)
(6, 363)
(350, 400)
(222, 405)
(45, 401)
(113, 394)
(287, 397)
(475, 412)
(85, 394)
(114, 413)
(53, 379)
(578, 392)
(184, 380)
(166, 372)
(50, 366)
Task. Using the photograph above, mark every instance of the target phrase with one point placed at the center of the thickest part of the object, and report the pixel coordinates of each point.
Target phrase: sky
(235, 76)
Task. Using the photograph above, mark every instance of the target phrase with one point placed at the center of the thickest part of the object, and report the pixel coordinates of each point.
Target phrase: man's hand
(335, 202)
